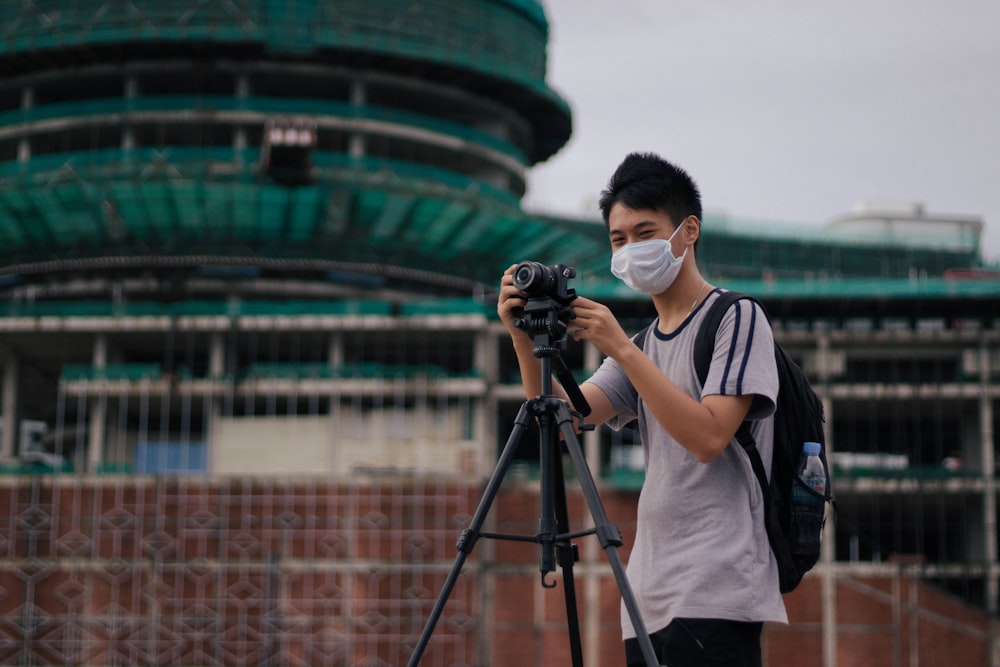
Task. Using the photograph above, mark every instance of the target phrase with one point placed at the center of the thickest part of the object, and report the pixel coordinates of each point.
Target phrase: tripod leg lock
(566, 555)
(609, 535)
(467, 540)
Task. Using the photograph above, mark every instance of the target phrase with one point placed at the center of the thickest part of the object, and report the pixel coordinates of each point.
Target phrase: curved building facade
(359, 134)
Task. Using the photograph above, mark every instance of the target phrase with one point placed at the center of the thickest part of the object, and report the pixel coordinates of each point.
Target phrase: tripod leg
(566, 558)
(609, 535)
(470, 535)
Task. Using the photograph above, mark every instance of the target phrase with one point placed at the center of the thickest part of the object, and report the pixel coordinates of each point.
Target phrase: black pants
(701, 642)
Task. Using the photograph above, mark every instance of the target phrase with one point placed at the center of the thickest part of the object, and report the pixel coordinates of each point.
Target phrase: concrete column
(988, 452)
(217, 356)
(128, 132)
(487, 360)
(242, 92)
(592, 358)
(827, 364)
(335, 358)
(590, 620)
(97, 409)
(216, 373)
(359, 97)
(828, 565)
(8, 410)
(24, 145)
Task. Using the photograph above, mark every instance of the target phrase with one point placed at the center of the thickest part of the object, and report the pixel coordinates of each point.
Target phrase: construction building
(253, 381)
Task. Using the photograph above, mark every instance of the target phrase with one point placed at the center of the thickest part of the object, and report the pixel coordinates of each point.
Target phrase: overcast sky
(783, 111)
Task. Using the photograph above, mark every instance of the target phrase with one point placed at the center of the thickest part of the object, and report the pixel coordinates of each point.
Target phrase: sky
(792, 112)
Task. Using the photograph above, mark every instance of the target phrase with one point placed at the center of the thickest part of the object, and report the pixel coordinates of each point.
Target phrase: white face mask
(647, 266)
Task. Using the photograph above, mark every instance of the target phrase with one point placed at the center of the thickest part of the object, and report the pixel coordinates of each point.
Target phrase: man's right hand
(510, 304)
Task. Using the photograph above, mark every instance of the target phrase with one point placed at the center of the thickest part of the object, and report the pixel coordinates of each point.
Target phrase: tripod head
(545, 320)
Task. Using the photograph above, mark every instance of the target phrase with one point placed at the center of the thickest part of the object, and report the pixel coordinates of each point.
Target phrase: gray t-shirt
(701, 550)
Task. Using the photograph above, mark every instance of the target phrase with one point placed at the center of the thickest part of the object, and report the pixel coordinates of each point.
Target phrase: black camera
(538, 281)
(549, 295)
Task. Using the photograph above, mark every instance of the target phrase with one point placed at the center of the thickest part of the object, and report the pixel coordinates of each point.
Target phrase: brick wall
(122, 570)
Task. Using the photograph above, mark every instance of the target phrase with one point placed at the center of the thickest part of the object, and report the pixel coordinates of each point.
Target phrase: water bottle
(811, 468)
(807, 508)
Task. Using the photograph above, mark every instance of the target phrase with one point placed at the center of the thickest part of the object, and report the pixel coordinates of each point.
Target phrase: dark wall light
(286, 151)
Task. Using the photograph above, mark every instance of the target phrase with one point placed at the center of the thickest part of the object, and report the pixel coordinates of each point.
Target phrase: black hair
(647, 181)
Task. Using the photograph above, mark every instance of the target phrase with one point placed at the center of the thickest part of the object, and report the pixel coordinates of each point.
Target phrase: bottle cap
(811, 448)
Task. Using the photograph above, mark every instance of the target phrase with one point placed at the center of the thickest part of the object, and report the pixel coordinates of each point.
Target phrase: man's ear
(692, 229)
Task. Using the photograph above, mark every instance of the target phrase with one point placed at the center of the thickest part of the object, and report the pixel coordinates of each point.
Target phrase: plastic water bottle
(811, 468)
(808, 507)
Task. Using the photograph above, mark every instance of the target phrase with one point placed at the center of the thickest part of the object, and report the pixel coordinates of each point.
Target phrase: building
(252, 383)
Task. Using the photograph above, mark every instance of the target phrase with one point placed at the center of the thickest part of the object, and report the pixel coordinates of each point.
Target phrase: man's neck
(674, 305)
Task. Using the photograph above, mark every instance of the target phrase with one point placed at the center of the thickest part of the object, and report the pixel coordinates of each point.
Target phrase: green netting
(383, 173)
(445, 227)
(426, 213)
(302, 307)
(232, 109)
(242, 213)
(290, 371)
(154, 199)
(504, 38)
(129, 207)
(368, 206)
(94, 308)
(218, 204)
(272, 206)
(446, 307)
(539, 242)
(471, 235)
(37, 216)
(366, 371)
(375, 370)
(130, 372)
(393, 213)
(306, 209)
(188, 206)
(15, 468)
(829, 288)
(82, 221)
(13, 210)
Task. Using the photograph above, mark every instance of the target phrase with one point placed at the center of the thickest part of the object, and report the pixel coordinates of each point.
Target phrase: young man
(701, 566)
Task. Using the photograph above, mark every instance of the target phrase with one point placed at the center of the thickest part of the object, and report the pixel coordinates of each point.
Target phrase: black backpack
(794, 512)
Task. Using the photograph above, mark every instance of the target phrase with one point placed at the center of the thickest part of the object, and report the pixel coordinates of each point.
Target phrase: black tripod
(544, 321)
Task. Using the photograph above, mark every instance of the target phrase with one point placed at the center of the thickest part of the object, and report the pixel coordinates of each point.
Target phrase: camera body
(537, 280)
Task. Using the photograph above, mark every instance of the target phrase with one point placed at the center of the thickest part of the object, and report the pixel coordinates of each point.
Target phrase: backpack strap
(704, 342)
(640, 337)
(704, 346)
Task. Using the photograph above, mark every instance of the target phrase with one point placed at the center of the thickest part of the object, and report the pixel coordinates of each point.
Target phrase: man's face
(626, 225)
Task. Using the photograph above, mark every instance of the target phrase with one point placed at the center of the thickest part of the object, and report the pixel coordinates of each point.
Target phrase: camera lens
(533, 278)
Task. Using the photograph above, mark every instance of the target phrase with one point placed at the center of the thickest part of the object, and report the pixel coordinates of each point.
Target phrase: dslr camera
(539, 281)
(549, 295)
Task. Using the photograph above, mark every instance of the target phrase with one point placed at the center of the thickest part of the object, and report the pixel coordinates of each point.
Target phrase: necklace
(695, 302)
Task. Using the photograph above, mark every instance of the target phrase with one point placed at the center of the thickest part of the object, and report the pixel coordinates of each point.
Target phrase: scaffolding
(233, 447)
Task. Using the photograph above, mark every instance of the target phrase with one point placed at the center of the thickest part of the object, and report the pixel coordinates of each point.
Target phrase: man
(701, 566)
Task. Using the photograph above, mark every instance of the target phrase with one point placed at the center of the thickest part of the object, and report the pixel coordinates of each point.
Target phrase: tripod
(554, 418)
